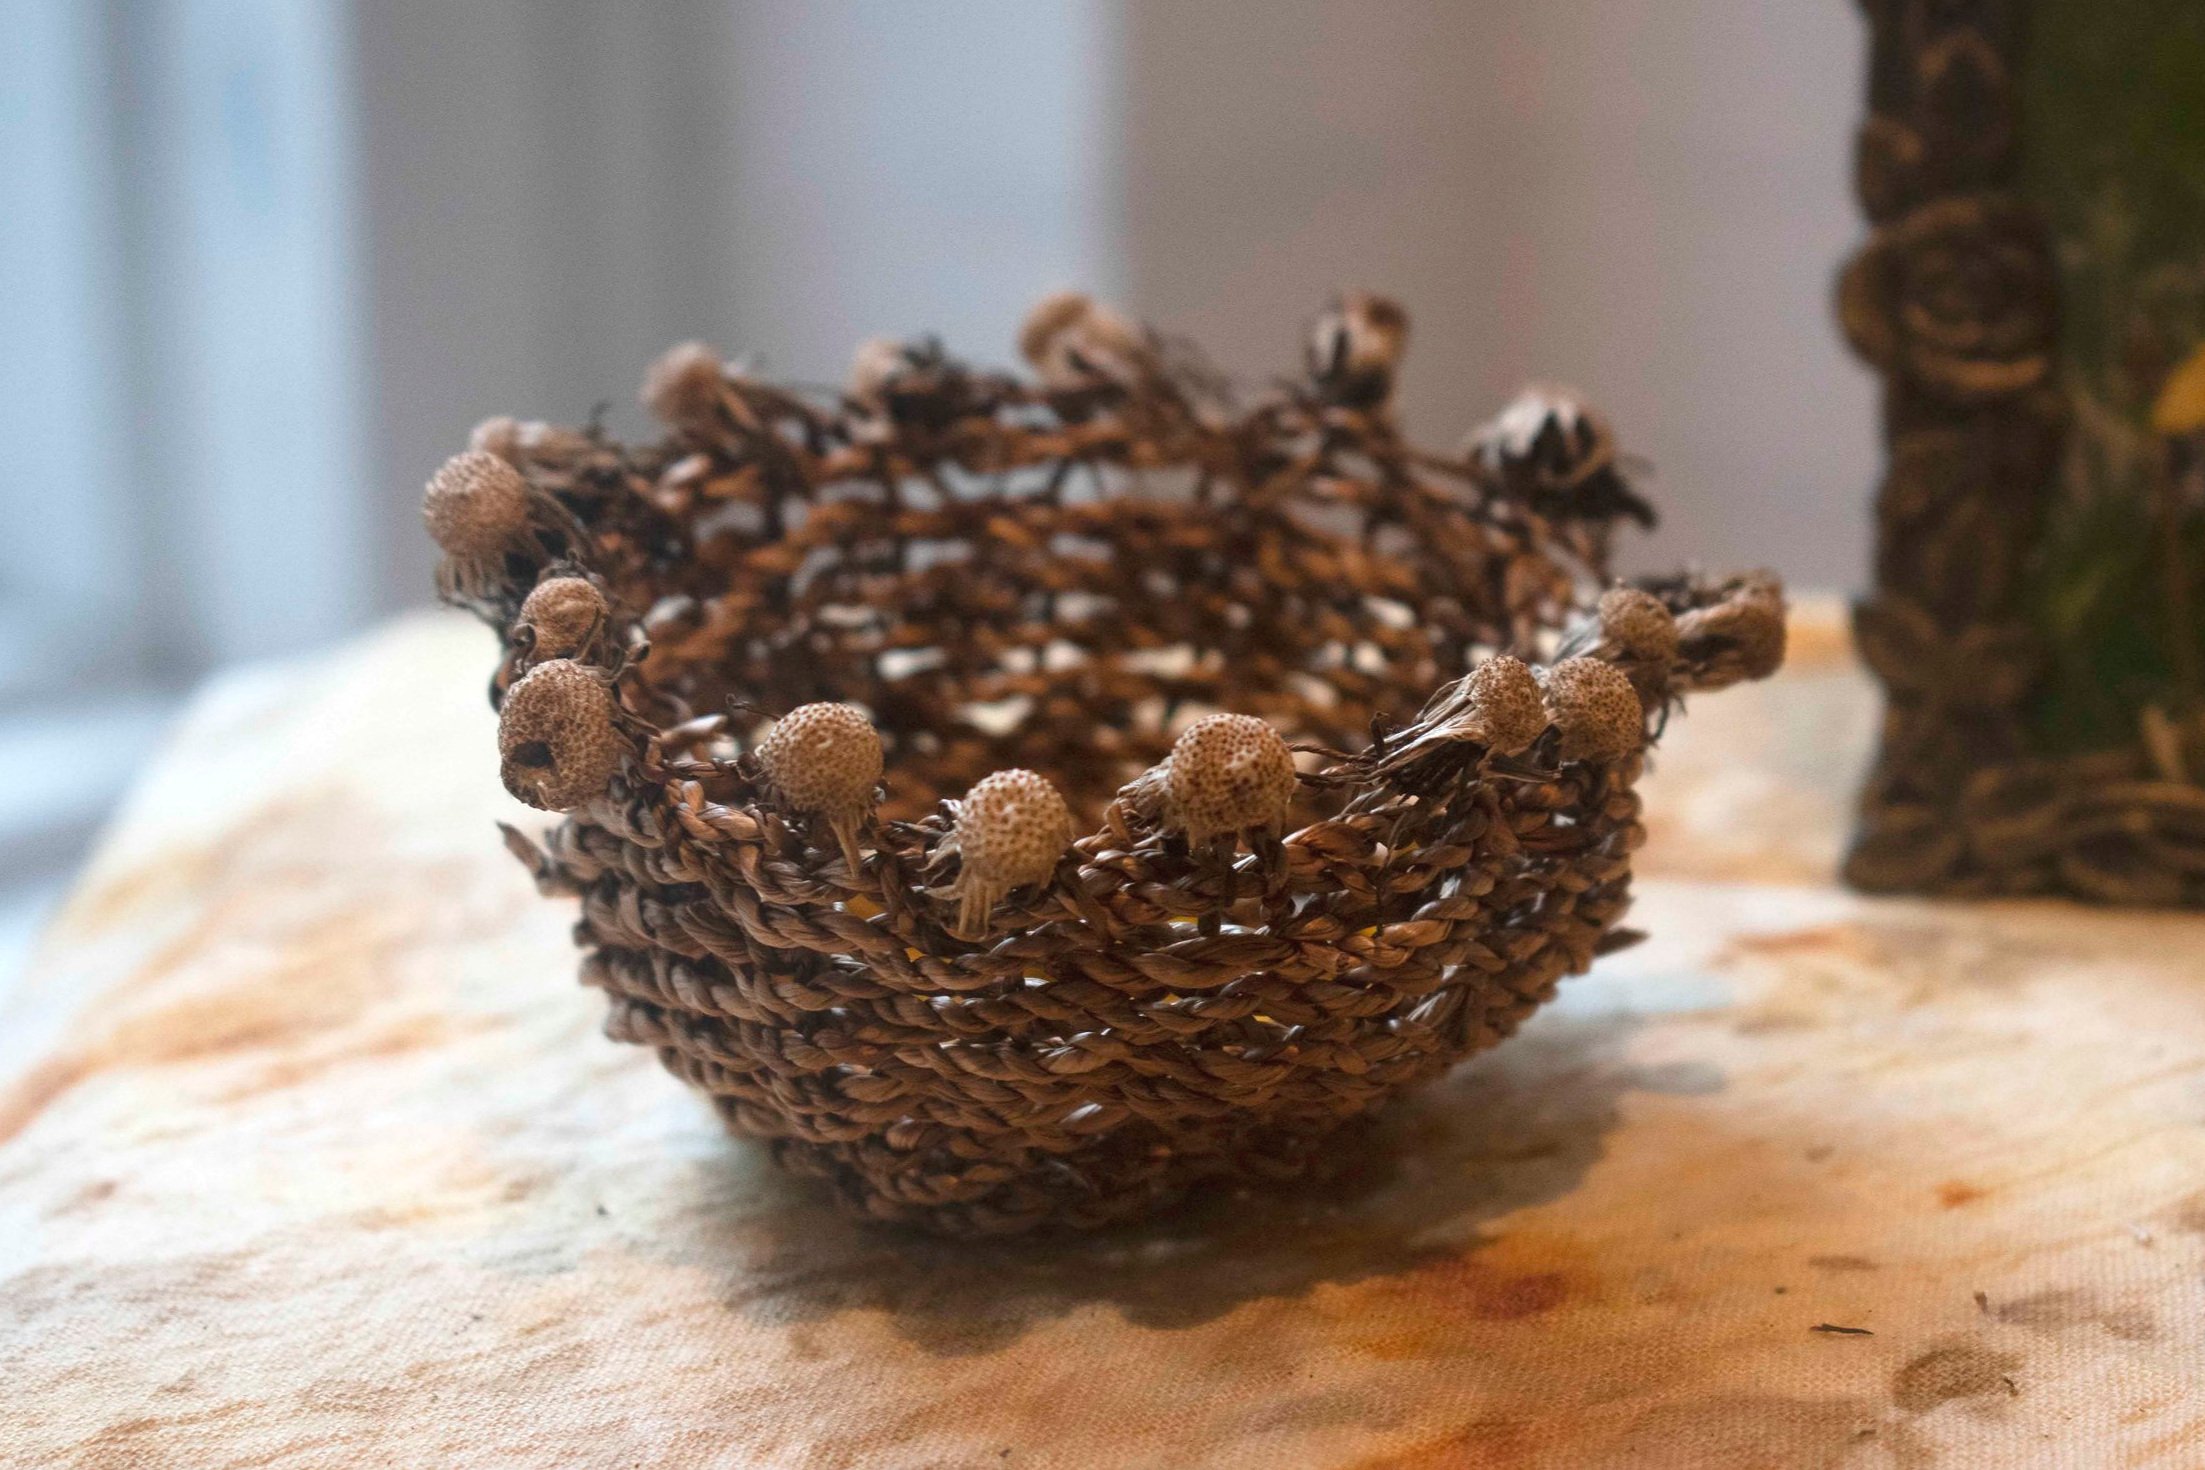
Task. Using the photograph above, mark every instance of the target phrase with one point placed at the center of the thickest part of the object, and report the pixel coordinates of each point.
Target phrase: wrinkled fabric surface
(311, 1154)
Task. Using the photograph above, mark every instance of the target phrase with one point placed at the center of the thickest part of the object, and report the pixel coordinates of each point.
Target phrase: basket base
(1130, 1176)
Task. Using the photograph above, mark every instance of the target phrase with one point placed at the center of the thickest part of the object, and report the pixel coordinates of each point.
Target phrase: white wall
(278, 255)
(547, 194)
(1646, 198)
(72, 562)
(903, 169)
(559, 191)
(179, 355)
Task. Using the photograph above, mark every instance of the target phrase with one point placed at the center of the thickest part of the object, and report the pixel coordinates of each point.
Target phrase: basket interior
(1072, 617)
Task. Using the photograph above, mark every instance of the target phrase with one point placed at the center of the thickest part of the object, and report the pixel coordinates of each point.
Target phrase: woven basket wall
(986, 1015)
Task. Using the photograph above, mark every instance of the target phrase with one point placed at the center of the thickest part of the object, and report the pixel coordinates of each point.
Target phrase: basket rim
(1152, 420)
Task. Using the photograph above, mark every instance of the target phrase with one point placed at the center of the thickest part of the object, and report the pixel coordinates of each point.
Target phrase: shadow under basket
(829, 685)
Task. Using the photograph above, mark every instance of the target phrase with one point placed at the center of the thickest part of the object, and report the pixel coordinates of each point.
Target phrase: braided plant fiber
(925, 748)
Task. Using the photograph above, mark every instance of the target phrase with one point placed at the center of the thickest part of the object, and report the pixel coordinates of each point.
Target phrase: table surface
(311, 1154)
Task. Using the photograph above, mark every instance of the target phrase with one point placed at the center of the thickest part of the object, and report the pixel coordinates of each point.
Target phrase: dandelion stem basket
(1018, 799)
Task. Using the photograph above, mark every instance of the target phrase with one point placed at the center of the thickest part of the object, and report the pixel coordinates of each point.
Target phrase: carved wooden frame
(1954, 301)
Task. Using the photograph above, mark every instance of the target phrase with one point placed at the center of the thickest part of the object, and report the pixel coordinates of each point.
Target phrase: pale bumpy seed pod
(477, 508)
(1228, 774)
(558, 744)
(1597, 711)
(1507, 710)
(1638, 624)
(1011, 829)
(564, 617)
(1355, 348)
(476, 505)
(825, 760)
(1073, 341)
(686, 388)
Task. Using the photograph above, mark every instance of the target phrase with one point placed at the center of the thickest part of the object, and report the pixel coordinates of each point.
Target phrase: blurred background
(264, 262)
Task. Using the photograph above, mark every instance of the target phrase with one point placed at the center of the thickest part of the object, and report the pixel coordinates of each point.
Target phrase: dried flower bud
(1048, 320)
(1507, 711)
(1228, 774)
(825, 759)
(1596, 709)
(476, 506)
(1073, 341)
(822, 758)
(1741, 637)
(1638, 623)
(877, 363)
(1546, 429)
(558, 745)
(687, 388)
(500, 436)
(916, 382)
(1011, 829)
(526, 442)
(1759, 629)
(1355, 348)
(564, 616)
(1550, 447)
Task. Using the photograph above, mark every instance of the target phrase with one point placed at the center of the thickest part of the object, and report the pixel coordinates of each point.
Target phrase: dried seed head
(1011, 829)
(525, 442)
(915, 382)
(500, 436)
(1507, 709)
(876, 364)
(564, 616)
(476, 505)
(557, 742)
(1746, 630)
(1638, 622)
(1548, 433)
(1759, 629)
(1355, 347)
(822, 758)
(1596, 709)
(1048, 320)
(1073, 341)
(1228, 773)
(825, 759)
(686, 387)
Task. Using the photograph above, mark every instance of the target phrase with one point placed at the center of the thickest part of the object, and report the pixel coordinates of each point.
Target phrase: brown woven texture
(958, 1012)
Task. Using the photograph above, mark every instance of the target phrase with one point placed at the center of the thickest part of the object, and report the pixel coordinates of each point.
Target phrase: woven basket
(1131, 594)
